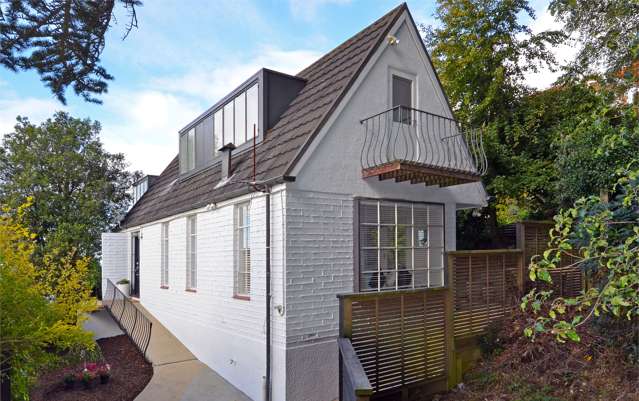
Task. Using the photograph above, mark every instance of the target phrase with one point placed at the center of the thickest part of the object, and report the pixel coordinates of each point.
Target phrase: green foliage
(39, 322)
(61, 40)
(79, 190)
(603, 238)
(592, 149)
(607, 32)
(481, 51)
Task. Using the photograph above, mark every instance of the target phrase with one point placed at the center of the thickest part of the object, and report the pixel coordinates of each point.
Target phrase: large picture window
(242, 250)
(401, 245)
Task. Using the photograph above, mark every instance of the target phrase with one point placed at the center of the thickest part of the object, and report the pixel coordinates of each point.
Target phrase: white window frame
(164, 262)
(242, 263)
(191, 252)
(411, 246)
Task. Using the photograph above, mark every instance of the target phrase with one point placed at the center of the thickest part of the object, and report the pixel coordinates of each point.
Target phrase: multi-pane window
(242, 250)
(402, 95)
(164, 268)
(191, 252)
(401, 245)
(232, 122)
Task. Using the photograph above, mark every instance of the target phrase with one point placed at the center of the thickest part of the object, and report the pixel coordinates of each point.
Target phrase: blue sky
(188, 54)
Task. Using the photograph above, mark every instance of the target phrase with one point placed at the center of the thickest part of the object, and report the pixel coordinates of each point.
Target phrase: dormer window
(251, 109)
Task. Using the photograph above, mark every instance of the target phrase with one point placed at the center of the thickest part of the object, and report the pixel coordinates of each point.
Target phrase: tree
(595, 146)
(62, 40)
(481, 52)
(607, 31)
(603, 238)
(38, 323)
(79, 190)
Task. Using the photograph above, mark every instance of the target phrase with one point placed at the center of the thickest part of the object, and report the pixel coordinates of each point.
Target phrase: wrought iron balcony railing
(409, 144)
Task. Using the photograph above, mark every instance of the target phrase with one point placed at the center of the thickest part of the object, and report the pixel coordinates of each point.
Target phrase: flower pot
(104, 379)
(124, 288)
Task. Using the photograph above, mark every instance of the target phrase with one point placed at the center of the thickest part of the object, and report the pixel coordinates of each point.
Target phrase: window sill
(242, 297)
(164, 287)
(190, 290)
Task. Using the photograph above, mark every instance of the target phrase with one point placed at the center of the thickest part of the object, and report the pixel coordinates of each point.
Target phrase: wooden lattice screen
(486, 284)
(533, 238)
(399, 338)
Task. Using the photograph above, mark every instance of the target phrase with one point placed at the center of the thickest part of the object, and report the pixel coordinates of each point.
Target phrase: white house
(241, 245)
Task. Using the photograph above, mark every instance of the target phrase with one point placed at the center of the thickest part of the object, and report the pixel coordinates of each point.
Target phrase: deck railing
(401, 339)
(354, 384)
(409, 135)
(130, 319)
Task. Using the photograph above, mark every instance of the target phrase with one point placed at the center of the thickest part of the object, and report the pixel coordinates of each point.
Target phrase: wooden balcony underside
(418, 173)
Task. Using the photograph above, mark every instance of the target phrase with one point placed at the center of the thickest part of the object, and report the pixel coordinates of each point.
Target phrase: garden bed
(129, 374)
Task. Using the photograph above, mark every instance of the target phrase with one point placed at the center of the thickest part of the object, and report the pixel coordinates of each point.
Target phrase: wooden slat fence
(486, 285)
(400, 338)
(532, 238)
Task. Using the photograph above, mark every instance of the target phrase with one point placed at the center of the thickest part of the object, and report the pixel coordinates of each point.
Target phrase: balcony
(407, 144)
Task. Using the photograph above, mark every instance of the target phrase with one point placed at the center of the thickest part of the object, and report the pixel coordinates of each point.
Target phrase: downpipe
(267, 384)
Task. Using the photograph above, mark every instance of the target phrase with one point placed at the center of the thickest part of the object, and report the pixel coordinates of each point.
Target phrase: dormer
(240, 118)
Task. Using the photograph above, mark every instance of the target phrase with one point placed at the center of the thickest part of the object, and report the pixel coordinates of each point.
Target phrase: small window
(240, 119)
(252, 112)
(228, 123)
(190, 150)
(164, 274)
(242, 250)
(402, 99)
(191, 252)
(218, 130)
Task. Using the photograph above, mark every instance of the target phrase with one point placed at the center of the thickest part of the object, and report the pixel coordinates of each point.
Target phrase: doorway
(135, 279)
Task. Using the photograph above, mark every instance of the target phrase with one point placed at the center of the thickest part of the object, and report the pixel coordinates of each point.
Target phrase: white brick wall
(319, 263)
(226, 333)
(115, 257)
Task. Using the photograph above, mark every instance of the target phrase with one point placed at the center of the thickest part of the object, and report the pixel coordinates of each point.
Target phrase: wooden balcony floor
(419, 173)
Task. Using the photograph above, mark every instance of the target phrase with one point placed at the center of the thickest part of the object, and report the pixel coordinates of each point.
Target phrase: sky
(186, 55)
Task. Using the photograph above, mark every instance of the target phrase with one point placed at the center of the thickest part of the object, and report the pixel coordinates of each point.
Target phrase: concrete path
(178, 375)
(102, 325)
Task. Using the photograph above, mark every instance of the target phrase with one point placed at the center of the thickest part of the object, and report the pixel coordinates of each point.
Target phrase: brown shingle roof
(328, 80)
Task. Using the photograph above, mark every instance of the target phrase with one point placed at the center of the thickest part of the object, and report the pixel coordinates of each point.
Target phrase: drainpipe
(268, 296)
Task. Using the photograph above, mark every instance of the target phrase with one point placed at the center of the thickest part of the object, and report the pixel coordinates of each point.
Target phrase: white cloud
(37, 109)
(212, 83)
(564, 53)
(144, 125)
(307, 9)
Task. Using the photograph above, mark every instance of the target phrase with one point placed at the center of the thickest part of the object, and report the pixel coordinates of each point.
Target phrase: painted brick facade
(115, 257)
(226, 333)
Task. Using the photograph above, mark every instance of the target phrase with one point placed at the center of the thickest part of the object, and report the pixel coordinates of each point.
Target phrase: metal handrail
(410, 135)
(128, 316)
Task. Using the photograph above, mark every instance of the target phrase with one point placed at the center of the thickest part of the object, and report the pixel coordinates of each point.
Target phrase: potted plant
(104, 371)
(124, 286)
(87, 378)
(69, 381)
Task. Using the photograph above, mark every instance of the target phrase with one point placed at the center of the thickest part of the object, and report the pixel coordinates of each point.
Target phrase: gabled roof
(327, 81)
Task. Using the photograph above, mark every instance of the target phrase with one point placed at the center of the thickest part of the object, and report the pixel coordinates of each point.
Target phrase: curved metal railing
(409, 135)
(130, 319)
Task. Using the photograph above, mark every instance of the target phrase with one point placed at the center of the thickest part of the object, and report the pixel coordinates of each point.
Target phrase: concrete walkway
(178, 375)
(102, 325)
